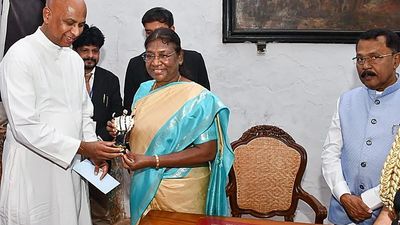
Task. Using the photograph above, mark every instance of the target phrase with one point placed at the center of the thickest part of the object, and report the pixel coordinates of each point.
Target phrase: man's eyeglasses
(148, 57)
(371, 59)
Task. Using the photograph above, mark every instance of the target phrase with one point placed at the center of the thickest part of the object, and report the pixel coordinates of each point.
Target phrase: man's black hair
(158, 14)
(392, 39)
(90, 36)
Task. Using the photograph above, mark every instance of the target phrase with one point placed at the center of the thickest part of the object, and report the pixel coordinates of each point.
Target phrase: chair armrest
(319, 209)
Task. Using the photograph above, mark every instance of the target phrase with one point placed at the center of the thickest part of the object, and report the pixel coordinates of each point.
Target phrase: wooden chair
(265, 178)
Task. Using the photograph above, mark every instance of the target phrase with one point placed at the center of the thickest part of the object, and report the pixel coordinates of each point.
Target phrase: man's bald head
(63, 20)
(65, 3)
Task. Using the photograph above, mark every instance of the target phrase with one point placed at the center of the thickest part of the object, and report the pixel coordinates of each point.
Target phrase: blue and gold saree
(170, 119)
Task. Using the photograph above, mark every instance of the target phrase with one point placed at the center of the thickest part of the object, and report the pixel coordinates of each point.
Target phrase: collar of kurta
(392, 88)
(49, 45)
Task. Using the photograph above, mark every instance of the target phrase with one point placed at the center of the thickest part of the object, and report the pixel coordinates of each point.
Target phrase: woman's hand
(191, 156)
(385, 217)
(111, 128)
(134, 161)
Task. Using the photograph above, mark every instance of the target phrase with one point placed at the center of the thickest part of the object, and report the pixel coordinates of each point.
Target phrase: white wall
(293, 86)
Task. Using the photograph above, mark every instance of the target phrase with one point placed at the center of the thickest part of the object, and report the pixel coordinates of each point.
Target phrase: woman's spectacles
(371, 59)
(148, 57)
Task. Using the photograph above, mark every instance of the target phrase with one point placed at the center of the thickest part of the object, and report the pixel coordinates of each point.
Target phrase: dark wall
(24, 17)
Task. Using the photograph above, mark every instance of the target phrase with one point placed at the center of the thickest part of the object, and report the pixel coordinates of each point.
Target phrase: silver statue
(123, 124)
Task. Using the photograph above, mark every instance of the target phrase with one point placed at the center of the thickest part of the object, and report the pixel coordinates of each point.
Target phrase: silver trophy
(123, 124)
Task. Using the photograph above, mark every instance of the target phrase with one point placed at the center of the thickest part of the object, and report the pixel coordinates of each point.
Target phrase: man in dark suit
(102, 85)
(193, 66)
(104, 90)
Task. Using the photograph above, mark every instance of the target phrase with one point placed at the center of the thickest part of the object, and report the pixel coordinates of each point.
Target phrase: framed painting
(306, 21)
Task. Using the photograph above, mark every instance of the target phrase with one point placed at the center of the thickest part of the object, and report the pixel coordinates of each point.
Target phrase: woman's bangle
(157, 162)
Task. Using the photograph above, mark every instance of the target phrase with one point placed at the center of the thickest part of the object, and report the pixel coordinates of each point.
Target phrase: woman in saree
(180, 152)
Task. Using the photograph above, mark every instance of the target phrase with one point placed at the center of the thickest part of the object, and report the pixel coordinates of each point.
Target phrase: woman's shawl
(195, 116)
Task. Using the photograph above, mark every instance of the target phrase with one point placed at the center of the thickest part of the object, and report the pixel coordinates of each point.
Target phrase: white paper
(86, 170)
(371, 200)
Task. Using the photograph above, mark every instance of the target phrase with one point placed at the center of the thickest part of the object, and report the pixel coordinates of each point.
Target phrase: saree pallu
(170, 119)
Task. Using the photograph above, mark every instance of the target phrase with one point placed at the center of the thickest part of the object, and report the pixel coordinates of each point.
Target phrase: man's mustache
(89, 59)
(367, 73)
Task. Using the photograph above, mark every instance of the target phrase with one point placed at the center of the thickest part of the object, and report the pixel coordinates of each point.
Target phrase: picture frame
(306, 21)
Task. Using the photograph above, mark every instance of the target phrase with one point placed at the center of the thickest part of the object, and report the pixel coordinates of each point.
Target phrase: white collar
(49, 45)
(93, 71)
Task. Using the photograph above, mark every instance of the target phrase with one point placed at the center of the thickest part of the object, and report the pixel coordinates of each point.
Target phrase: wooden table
(173, 218)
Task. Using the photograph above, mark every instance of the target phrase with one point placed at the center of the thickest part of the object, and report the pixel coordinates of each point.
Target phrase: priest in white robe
(50, 126)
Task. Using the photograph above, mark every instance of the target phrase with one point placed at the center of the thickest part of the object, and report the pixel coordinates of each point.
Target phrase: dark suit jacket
(193, 68)
(106, 100)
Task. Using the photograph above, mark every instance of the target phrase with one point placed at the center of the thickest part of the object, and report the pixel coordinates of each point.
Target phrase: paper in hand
(86, 170)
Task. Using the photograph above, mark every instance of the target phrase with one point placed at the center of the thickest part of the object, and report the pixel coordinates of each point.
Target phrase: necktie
(87, 79)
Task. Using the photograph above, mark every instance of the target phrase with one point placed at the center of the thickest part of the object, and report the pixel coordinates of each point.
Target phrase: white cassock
(44, 95)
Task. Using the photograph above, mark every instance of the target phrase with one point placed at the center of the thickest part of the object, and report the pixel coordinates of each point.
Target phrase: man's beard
(91, 66)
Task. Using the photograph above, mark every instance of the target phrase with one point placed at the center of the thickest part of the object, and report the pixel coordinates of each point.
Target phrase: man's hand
(99, 150)
(356, 209)
(100, 166)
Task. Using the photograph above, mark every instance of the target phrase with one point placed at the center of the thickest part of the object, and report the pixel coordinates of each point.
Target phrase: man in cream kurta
(49, 110)
(48, 116)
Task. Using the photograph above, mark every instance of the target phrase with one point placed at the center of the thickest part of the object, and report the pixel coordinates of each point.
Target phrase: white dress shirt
(91, 81)
(332, 167)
